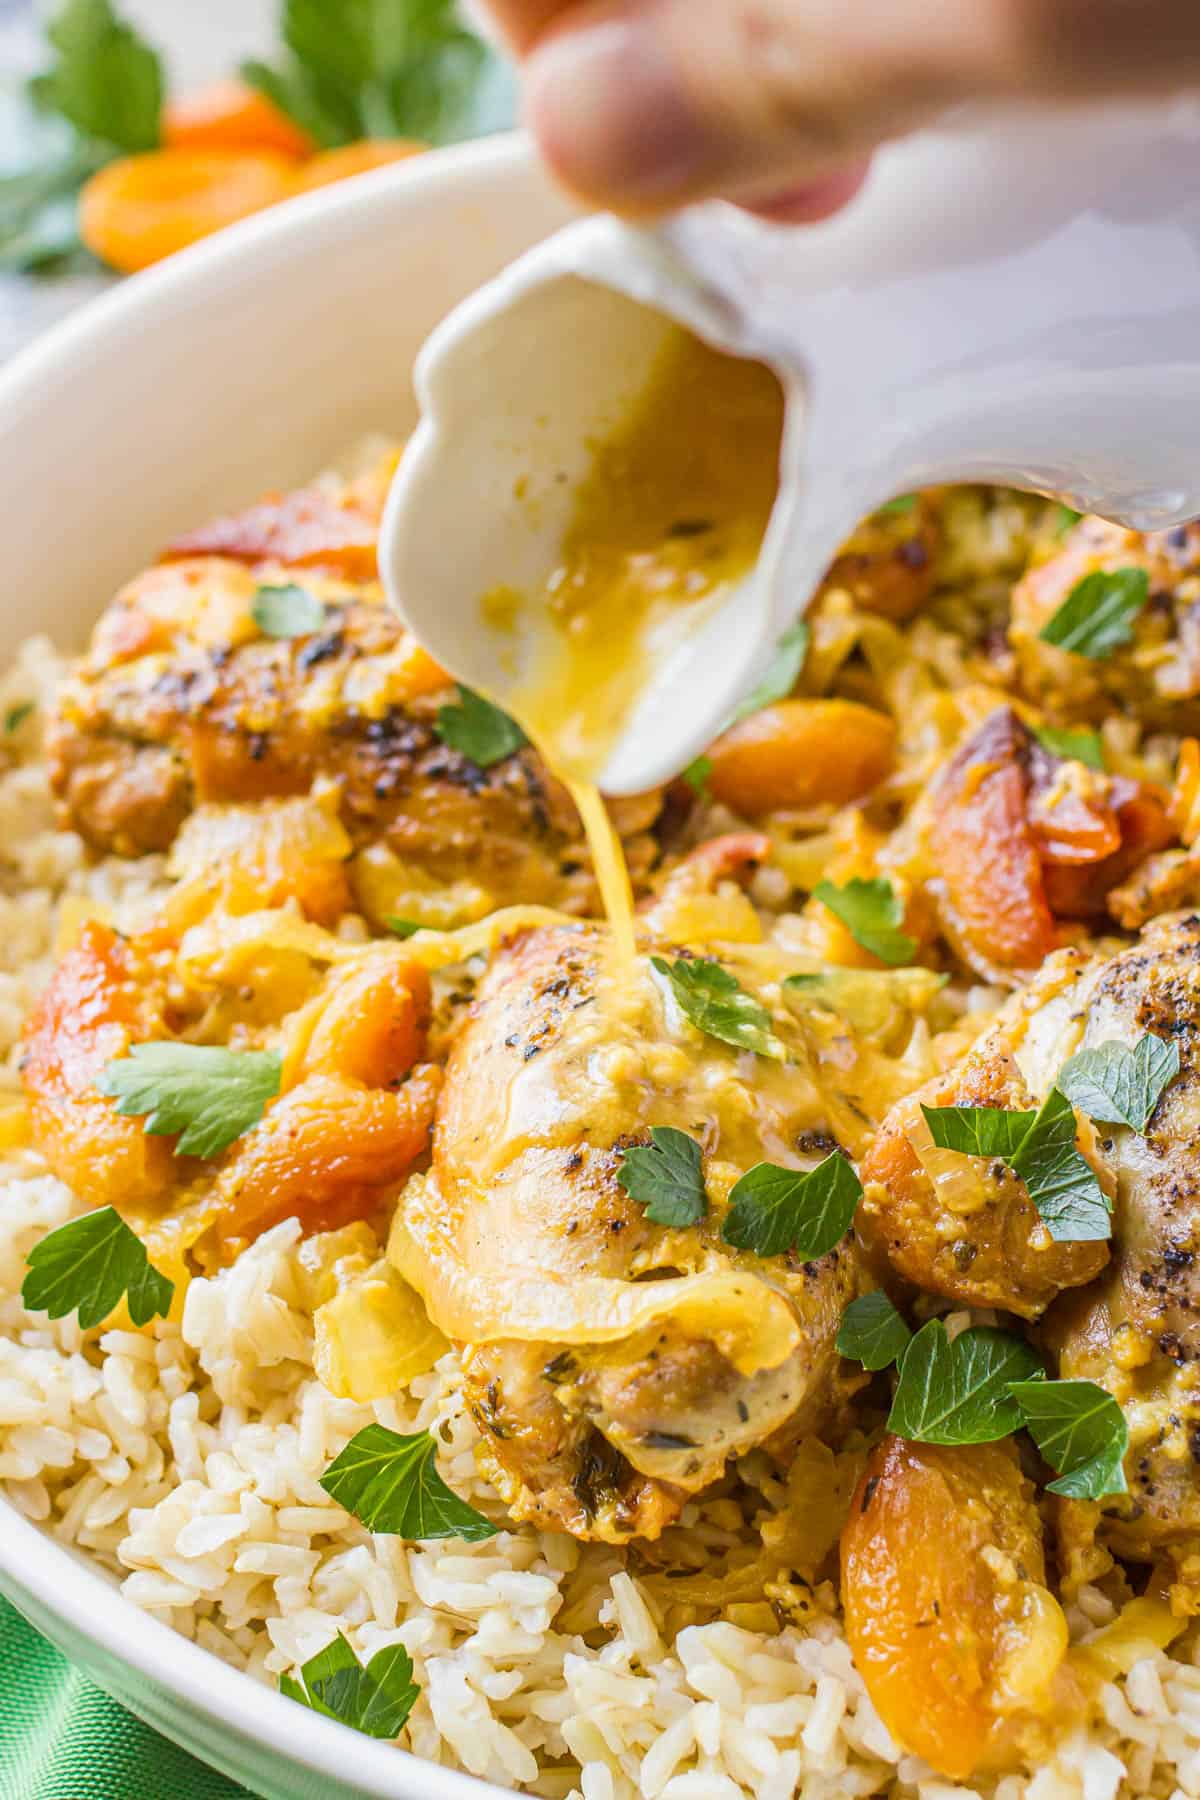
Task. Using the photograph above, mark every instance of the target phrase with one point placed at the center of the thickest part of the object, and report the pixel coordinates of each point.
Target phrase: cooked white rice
(186, 1459)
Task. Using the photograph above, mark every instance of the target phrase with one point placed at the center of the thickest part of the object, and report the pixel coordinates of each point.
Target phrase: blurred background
(130, 127)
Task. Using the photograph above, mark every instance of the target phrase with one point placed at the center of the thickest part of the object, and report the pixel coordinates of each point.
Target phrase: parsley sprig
(1081, 1431)
(956, 1391)
(383, 68)
(780, 675)
(774, 1210)
(983, 1385)
(376, 1700)
(478, 730)
(1112, 1084)
(105, 80)
(873, 914)
(1118, 1086)
(776, 683)
(1072, 746)
(1039, 1147)
(89, 1266)
(1097, 615)
(390, 1483)
(715, 1002)
(206, 1095)
(287, 611)
(872, 1332)
(666, 1176)
(100, 96)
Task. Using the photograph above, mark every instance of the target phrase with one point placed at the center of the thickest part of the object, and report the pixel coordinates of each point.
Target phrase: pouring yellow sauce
(670, 516)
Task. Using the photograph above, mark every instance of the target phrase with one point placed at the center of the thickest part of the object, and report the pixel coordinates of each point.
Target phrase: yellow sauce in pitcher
(670, 516)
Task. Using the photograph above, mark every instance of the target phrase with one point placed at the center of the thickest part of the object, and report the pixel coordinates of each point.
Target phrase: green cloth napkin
(61, 1738)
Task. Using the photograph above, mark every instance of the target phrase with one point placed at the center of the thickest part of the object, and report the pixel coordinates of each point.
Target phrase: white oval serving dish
(243, 364)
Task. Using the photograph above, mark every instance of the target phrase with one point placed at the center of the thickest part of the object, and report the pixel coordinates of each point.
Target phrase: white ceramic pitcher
(1014, 301)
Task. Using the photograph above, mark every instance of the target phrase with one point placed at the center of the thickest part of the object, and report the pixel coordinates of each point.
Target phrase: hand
(644, 104)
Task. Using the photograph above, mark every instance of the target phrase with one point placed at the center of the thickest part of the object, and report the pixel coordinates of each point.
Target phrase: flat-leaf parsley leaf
(478, 730)
(772, 1210)
(1040, 1148)
(1081, 1431)
(89, 1266)
(1119, 1086)
(1073, 746)
(107, 81)
(780, 675)
(1062, 1184)
(1097, 615)
(872, 1331)
(872, 913)
(390, 1483)
(666, 1176)
(207, 1095)
(715, 1002)
(376, 1700)
(977, 1130)
(287, 612)
(957, 1392)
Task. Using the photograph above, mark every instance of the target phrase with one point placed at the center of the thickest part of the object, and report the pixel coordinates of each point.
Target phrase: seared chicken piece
(182, 700)
(1137, 1329)
(614, 1364)
(1157, 675)
(965, 1226)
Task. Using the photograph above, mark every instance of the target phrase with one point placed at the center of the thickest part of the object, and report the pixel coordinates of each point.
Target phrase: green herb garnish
(106, 81)
(1039, 1147)
(1062, 1184)
(872, 1332)
(772, 1210)
(903, 503)
(1065, 519)
(89, 1266)
(390, 1483)
(1097, 615)
(376, 1700)
(958, 1392)
(780, 675)
(1081, 1431)
(696, 775)
(478, 730)
(16, 716)
(872, 913)
(666, 1176)
(207, 1095)
(978, 1130)
(383, 68)
(287, 612)
(714, 1001)
(403, 928)
(1119, 1086)
(1074, 746)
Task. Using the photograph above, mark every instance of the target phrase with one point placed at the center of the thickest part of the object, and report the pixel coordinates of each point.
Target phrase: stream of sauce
(671, 515)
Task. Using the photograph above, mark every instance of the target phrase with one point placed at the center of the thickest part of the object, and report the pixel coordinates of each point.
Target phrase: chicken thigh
(614, 1364)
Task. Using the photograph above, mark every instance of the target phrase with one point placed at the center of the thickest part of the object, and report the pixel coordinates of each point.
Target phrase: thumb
(644, 104)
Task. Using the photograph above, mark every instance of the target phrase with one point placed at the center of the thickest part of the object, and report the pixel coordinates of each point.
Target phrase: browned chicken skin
(616, 1364)
(182, 700)
(1137, 1329)
(981, 1241)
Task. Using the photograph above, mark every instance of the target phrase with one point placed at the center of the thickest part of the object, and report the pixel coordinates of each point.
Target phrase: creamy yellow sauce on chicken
(764, 1211)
